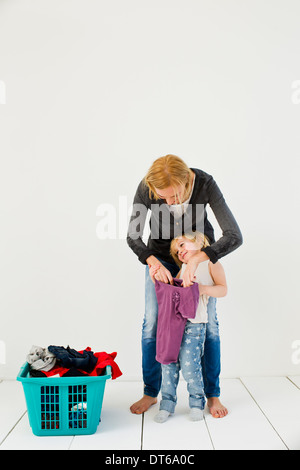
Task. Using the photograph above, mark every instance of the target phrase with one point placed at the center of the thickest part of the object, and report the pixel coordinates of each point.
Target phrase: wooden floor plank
(295, 379)
(279, 399)
(119, 428)
(264, 413)
(245, 427)
(12, 406)
(22, 438)
(178, 432)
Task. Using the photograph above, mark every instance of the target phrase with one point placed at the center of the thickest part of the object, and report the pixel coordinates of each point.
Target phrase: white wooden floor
(264, 414)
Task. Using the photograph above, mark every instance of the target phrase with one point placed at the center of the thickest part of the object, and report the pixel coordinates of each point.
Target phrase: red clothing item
(104, 359)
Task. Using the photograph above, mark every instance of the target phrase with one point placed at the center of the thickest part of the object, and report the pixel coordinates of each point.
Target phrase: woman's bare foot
(216, 409)
(143, 404)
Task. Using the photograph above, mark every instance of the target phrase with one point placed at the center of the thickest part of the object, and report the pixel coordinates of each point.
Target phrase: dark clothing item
(205, 191)
(70, 358)
(60, 371)
(175, 305)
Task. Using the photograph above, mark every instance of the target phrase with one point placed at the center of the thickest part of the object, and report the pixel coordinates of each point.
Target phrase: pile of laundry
(57, 361)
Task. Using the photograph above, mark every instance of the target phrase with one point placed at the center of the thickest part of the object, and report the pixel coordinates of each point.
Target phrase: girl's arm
(218, 276)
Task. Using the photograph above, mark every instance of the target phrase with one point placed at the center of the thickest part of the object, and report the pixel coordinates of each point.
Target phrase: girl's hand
(160, 273)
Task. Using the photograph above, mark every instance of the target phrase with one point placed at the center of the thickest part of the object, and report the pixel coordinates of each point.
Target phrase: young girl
(212, 283)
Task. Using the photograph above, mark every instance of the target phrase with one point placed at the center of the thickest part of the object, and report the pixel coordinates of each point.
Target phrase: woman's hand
(160, 273)
(153, 270)
(188, 276)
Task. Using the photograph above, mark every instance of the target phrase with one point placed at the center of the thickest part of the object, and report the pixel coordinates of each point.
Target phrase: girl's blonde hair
(168, 171)
(193, 237)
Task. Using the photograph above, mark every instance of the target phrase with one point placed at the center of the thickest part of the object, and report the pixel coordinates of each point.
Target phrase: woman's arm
(231, 237)
(136, 225)
(219, 289)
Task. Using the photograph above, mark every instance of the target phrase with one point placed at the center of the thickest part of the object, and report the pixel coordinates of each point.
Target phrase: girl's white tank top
(203, 277)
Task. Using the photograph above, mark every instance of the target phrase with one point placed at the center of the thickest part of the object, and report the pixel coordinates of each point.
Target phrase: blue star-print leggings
(189, 362)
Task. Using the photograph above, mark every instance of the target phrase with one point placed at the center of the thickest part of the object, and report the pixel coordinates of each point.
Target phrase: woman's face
(186, 249)
(171, 195)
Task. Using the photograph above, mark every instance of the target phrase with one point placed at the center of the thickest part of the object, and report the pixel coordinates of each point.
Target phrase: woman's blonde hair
(193, 237)
(168, 171)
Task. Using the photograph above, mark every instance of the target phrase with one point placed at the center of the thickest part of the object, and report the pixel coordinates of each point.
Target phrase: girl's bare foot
(216, 409)
(143, 404)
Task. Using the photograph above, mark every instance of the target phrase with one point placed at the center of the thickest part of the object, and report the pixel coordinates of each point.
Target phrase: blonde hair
(168, 171)
(193, 237)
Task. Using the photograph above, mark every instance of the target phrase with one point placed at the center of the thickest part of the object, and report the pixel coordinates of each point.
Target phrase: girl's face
(186, 249)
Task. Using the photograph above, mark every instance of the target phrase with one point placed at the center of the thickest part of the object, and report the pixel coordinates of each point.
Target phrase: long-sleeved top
(175, 305)
(164, 226)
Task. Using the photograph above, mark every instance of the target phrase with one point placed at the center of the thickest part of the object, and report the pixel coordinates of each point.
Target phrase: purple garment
(175, 305)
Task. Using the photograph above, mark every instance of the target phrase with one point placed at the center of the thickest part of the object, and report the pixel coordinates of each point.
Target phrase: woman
(177, 196)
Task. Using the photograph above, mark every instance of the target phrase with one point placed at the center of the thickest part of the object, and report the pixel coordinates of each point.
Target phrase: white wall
(95, 91)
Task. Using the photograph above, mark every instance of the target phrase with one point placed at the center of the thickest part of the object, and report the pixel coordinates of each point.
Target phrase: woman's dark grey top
(164, 225)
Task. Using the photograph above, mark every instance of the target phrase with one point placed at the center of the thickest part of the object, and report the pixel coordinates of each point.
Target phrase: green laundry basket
(63, 406)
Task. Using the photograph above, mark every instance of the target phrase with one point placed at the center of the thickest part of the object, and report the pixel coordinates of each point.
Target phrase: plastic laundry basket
(64, 405)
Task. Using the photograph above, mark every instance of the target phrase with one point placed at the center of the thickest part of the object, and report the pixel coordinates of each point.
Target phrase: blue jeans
(189, 362)
(211, 361)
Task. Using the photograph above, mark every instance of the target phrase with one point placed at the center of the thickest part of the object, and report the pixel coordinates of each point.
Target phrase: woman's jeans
(211, 360)
(189, 362)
